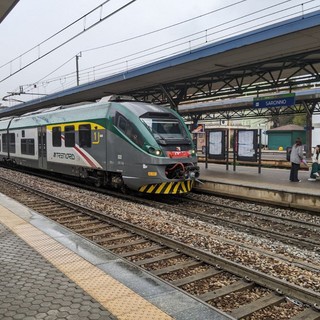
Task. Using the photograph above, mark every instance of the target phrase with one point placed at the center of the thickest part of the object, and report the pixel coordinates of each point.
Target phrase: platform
(48, 272)
(270, 186)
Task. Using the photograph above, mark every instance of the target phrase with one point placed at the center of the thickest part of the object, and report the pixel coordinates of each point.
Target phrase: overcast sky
(106, 48)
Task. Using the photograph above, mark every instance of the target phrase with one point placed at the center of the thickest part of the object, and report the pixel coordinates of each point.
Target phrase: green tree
(300, 120)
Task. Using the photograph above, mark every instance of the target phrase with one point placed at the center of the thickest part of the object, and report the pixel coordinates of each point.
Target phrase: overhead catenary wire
(55, 34)
(70, 39)
(146, 52)
(97, 69)
(135, 37)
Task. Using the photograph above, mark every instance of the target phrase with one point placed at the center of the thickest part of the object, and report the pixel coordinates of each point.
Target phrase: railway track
(242, 292)
(302, 234)
(288, 230)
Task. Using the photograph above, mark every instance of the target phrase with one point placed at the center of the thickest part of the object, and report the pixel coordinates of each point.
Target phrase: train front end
(170, 165)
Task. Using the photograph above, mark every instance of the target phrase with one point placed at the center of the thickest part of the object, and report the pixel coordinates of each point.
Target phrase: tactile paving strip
(114, 296)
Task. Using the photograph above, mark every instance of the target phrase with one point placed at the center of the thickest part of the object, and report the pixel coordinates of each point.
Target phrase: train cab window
(69, 136)
(85, 135)
(129, 129)
(122, 123)
(12, 143)
(27, 146)
(56, 136)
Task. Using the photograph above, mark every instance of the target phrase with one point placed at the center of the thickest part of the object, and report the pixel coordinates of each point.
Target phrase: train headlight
(154, 151)
(193, 152)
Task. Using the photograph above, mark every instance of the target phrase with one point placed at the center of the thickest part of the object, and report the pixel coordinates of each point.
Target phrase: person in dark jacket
(296, 157)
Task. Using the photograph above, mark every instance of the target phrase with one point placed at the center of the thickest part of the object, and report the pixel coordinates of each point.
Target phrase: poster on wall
(216, 144)
(247, 142)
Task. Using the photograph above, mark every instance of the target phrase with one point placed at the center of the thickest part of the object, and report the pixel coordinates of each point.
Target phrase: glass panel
(56, 136)
(69, 136)
(85, 135)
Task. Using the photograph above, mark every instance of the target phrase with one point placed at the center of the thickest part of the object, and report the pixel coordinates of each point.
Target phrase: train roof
(74, 113)
(140, 108)
(60, 115)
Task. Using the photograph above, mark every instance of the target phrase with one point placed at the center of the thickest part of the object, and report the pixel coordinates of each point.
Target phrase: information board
(216, 144)
(247, 142)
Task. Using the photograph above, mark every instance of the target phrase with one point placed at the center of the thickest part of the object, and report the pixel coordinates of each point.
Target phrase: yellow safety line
(119, 300)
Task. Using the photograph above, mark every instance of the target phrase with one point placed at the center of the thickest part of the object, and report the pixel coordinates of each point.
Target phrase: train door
(42, 143)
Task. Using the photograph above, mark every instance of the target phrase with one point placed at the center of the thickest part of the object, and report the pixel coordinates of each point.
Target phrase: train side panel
(74, 148)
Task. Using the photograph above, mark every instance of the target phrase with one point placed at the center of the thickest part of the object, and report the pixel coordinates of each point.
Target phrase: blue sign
(285, 100)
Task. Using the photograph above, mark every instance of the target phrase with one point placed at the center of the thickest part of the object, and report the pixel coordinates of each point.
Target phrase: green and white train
(112, 143)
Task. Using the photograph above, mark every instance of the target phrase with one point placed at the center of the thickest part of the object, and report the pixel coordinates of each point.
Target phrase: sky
(41, 39)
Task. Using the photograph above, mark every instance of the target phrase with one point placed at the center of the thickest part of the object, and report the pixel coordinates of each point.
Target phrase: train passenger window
(4, 143)
(27, 146)
(56, 136)
(12, 142)
(69, 136)
(85, 135)
(23, 133)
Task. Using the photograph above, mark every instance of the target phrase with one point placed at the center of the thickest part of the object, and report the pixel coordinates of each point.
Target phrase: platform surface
(270, 178)
(48, 272)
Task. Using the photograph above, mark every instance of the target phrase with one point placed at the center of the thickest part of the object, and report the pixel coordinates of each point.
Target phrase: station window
(12, 143)
(85, 135)
(56, 136)
(69, 136)
(27, 146)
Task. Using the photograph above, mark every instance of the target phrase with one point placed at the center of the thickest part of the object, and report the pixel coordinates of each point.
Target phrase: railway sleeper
(62, 217)
(176, 267)
(79, 221)
(123, 244)
(307, 314)
(58, 211)
(158, 258)
(120, 237)
(141, 251)
(248, 309)
(101, 232)
(81, 226)
(234, 287)
(196, 277)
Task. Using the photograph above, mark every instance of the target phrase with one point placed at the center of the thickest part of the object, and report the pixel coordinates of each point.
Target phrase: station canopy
(282, 55)
(5, 7)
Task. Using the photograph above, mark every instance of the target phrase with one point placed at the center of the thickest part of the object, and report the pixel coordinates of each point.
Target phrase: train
(115, 142)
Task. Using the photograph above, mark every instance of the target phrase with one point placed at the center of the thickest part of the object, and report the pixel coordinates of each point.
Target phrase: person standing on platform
(296, 157)
(315, 164)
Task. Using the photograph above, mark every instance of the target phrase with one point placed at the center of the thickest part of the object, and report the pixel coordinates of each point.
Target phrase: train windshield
(165, 130)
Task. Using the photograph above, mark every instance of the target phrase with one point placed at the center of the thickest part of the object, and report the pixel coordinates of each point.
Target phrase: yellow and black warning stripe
(168, 187)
